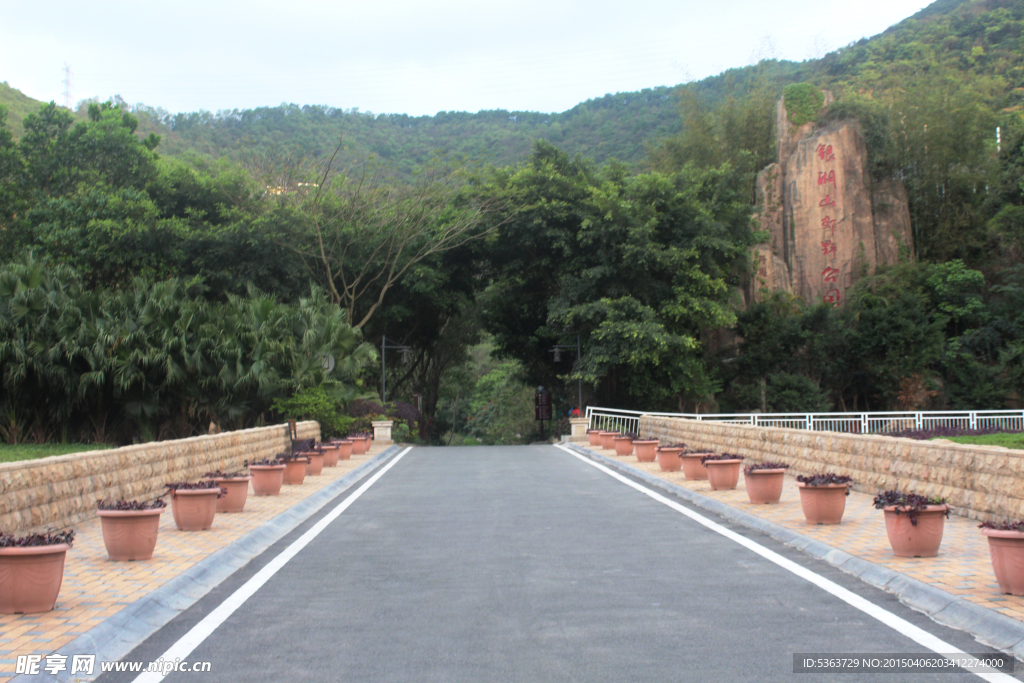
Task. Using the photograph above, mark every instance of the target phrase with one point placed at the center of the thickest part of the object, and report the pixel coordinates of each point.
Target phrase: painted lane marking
(915, 633)
(201, 631)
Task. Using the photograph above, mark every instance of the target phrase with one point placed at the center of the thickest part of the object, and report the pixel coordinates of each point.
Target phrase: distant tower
(67, 85)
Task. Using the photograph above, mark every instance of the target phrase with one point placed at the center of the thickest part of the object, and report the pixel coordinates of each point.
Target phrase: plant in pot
(764, 481)
(130, 527)
(723, 470)
(294, 467)
(693, 465)
(331, 452)
(669, 459)
(594, 437)
(194, 503)
(267, 476)
(823, 496)
(360, 442)
(1006, 550)
(236, 487)
(344, 447)
(913, 523)
(314, 459)
(32, 570)
(645, 448)
(624, 443)
(608, 440)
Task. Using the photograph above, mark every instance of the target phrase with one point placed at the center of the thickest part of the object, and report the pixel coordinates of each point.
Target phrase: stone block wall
(60, 491)
(979, 482)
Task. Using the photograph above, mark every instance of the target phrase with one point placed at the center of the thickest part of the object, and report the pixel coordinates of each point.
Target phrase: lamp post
(384, 346)
(557, 350)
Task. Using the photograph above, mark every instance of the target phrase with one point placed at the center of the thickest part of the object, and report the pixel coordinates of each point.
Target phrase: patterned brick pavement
(95, 588)
(961, 568)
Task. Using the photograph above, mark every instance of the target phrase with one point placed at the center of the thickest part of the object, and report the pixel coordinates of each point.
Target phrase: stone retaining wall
(60, 491)
(980, 482)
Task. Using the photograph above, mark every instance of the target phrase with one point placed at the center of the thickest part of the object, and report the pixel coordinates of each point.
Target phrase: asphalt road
(526, 564)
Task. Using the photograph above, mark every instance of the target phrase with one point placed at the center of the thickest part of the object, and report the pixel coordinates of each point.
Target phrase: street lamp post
(557, 350)
(384, 346)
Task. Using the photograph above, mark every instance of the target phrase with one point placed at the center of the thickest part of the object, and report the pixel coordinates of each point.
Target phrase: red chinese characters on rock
(825, 152)
(827, 178)
(827, 201)
(829, 224)
(828, 248)
(831, 296)
(829, 274)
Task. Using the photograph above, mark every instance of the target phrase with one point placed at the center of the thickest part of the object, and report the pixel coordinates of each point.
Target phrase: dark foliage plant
(910, 503)
(290, 457)
(720, 456)
(31, 540)
(825, 479)
(673, 445)
(1003, 526)
(193, 486)
(303, 445)
(630, 435)
(217, 474)
(265, 462)
(111, 504)
(765, 466)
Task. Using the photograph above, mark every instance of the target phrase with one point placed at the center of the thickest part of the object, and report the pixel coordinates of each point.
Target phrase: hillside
(18, 105)
(975, 42)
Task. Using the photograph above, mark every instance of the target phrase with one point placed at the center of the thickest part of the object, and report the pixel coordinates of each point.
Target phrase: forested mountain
(542, 239)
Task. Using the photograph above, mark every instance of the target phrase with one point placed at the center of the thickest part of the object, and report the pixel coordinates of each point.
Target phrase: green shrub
(803, 101)
(314, 403)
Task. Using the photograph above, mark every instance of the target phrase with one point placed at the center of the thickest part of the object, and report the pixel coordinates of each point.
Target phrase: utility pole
(67, 85)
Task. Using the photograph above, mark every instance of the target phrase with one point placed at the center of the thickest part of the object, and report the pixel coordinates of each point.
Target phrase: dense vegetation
(162, 272)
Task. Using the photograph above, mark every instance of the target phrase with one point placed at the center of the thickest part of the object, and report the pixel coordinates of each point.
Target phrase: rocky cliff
(828, 224)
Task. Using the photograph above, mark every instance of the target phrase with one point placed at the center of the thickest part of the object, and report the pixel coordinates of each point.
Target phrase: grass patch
(1004, 440)
(31, 451)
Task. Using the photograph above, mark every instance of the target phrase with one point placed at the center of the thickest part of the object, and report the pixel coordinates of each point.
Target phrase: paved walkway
(95, 588)
(962, 567)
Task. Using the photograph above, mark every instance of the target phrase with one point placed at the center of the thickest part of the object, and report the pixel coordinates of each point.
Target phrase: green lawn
(33, 451)
(1004, 440)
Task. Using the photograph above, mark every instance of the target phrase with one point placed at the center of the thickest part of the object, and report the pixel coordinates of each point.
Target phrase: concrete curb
(987, 626)
(120, 634)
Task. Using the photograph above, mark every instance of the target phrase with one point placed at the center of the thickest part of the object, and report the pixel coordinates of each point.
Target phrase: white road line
(915, 633)
(201, 631)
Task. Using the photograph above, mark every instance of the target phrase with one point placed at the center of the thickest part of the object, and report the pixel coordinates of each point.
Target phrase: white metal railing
(614, 419)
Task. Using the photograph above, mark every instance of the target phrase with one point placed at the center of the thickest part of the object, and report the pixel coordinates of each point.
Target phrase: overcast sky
(409, 57)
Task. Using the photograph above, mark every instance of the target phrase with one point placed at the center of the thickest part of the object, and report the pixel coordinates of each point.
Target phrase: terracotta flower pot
(194, 509)
(608, 440)
(623, 445)
(723, 474)
(130, 534)
(266, 479)
(331, 455)
(645, 450)
(360, 445)
(693, 468)
(823, 504)
(314, 463)
(295, 471)
(920, 540)
(764, 486)
(1006, 549)
(237, 491)
(345, 449)
(30, 578)
(594, 437)
(669, 460)
(367, 442)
